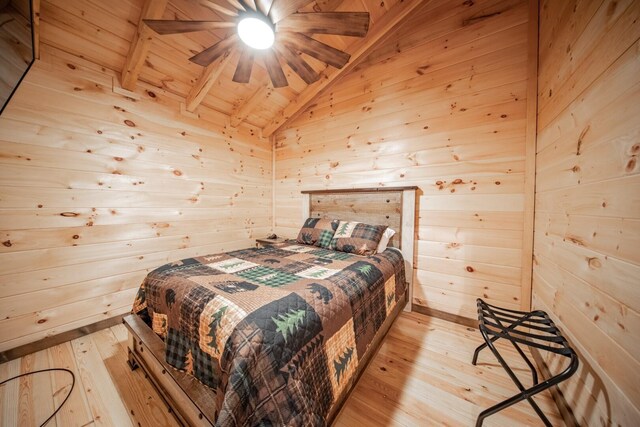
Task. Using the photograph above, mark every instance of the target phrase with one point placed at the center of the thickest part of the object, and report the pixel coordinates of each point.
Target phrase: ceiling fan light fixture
(256, 32)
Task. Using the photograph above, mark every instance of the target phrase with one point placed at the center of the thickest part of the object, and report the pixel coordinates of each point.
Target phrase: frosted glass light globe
(256, 33)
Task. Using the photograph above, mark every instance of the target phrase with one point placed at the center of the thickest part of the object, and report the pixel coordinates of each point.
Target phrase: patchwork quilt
(277, 332)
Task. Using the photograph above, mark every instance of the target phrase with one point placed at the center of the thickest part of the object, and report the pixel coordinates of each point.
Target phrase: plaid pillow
(318, 232)
(357, 237)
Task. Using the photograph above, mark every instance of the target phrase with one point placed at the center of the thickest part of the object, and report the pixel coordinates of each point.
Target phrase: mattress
(277, 332)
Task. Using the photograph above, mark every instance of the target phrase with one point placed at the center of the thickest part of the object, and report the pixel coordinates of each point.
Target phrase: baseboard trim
(563, 407)
(23, 350)
(461, 320)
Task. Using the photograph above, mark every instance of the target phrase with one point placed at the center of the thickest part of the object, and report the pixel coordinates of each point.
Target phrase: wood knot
(594, 263)
(631, 164)
(69, 214)
(75, 237)
(41, 321)
(458, 181)
(71, 66)
(177, 172)
(118, 159)
(421, 70)
(470, 269)
(575, 240)
(7, 243)
(575, 169)
(129, 123)
(581, 138)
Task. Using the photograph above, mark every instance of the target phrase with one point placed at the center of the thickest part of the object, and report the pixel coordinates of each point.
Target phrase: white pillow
(384, 241)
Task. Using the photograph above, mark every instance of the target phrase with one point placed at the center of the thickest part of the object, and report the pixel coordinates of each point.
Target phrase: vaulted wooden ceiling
(112, 35)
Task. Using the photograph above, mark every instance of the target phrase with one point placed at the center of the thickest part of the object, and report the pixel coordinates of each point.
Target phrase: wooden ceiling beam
(208, 78)
(358, 50)
(35, 12)
(243, 111)
(152, 9)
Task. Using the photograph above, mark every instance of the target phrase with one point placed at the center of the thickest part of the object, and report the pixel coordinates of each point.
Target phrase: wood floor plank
(138, 395)
(43, 391)
(35, 400)
(75, 410)
(9, 393)
(422, 375)
(106, 406)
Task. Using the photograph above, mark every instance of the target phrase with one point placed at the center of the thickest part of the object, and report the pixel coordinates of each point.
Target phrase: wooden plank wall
(98, 188)
(440, 105)
(587, 228)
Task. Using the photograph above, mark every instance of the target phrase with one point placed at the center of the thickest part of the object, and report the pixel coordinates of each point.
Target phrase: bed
(276, 335)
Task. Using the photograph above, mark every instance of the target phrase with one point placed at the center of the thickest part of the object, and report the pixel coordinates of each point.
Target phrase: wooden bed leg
(131, 361)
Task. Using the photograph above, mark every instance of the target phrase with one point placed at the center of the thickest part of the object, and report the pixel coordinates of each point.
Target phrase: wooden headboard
(390, 206)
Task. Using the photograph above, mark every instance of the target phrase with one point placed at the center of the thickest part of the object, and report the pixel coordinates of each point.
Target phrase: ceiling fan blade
(217, 8)
(212, 53)
(280, 9)
(264, 6)
(299, 65)
(323, 52)
(163, 27)
(354, 24)
(237, 4)
(274, 69)
(245, 64)
(250, 3)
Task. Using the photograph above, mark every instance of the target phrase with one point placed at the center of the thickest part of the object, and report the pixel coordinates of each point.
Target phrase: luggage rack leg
(476, 353)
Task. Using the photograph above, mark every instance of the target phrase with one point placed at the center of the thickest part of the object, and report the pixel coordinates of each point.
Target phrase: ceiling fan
(272, 29)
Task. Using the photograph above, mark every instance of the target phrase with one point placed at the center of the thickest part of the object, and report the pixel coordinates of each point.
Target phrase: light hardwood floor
(421, 376)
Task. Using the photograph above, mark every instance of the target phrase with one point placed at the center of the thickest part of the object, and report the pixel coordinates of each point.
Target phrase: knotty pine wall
(98, 188)
(441, 105)
(587, 227)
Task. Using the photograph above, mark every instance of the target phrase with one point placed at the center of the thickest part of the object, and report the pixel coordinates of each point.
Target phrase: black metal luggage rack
(533, 329)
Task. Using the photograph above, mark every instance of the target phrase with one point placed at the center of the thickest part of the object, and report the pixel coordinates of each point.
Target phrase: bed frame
(191, 402)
